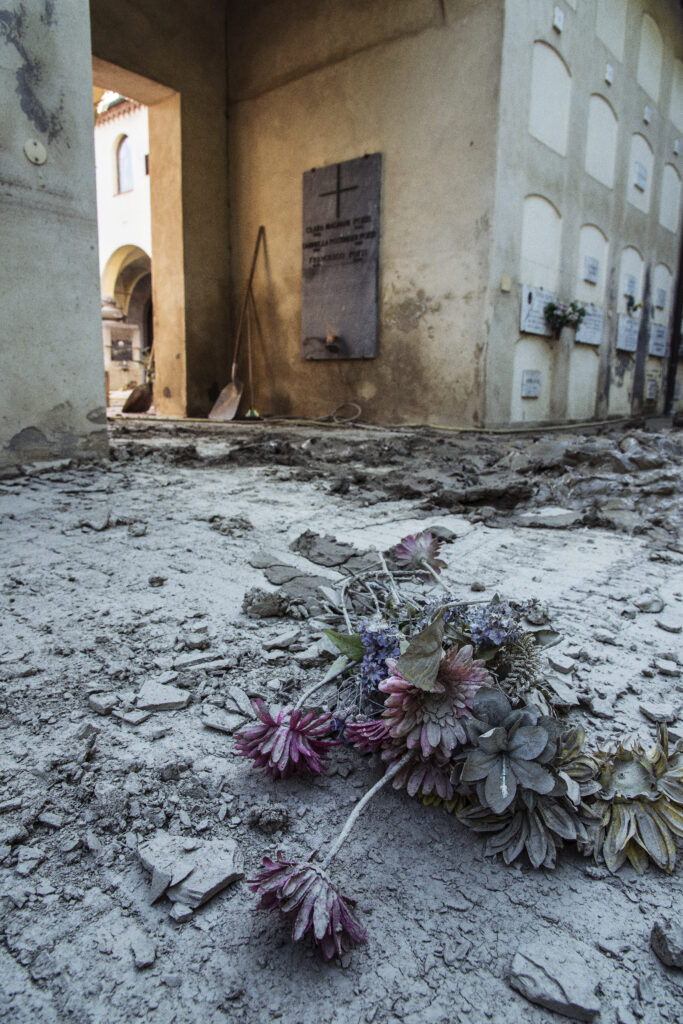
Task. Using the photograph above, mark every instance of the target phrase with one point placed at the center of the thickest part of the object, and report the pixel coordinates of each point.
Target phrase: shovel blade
(139, 400)
(225, 406)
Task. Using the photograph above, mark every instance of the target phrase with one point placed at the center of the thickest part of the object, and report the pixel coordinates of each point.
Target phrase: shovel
(225, 406)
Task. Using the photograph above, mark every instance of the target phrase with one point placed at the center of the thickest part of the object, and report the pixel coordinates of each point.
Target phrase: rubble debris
(669, 624)
(323, 550)
(269, 819)
(666, 940)
(262, 604)
(557, 976)
(197, 874)
(157, 697)
(222, 721)
(664, 712)
(181, 913)
(144, 950)
(103, 703)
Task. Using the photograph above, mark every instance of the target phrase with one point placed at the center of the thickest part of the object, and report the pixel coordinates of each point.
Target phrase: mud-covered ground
(120, 574)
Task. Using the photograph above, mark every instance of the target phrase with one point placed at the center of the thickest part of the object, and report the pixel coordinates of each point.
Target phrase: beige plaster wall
(52, 379)
(315, 83)
(592, 381)
(181, 47)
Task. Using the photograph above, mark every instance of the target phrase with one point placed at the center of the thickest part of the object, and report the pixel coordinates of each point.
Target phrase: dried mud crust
(135, 572)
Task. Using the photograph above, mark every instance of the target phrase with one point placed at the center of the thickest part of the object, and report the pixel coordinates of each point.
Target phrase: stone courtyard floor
(172, 564)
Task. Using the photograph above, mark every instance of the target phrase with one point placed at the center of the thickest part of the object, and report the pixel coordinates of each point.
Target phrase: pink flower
(416, 550)
(367, 734)
(287, 740)
(307, 897)
(431, 720)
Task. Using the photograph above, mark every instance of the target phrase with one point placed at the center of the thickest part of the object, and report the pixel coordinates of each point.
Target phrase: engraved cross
(338, 190)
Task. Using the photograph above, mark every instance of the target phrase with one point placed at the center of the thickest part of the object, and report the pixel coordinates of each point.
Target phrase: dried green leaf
(420, 662)
(558, 819)
(537, 841)
(533, 776)
(350, 644)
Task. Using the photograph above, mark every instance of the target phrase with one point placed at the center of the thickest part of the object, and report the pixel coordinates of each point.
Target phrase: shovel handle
(247, 290)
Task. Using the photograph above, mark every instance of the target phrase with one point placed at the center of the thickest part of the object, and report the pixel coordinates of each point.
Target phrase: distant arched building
(123, 209)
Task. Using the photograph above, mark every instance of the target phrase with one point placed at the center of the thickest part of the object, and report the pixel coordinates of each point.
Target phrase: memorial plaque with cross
(340, 259)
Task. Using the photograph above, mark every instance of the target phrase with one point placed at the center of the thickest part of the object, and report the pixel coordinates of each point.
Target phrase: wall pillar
(51, 362)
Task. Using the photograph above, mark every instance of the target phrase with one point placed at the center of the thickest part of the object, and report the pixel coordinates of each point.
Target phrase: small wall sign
(651, 391)
(627, 333)
(640, 179)
(590, 331)
(591, 269)
(660, 300)
(658, 338)
(630, 285)
(531, 383)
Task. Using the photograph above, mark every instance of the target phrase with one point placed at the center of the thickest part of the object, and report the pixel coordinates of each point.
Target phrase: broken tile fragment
(155, 697)
(144, 950)
(556, 976)
(667, 667)
(664, 712)
(180, 913)
(209, 868)
(102, 703)
(241, 701)
(669, 624)
(160, 883)
(666, 940)
(223, 721)
(561, 663)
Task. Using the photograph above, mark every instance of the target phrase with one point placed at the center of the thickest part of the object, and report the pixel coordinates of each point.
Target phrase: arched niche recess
(540, 245)
(592, 263)
(640, 170)
(601, 140)
(550, 95)
(676, 100)
(662, 281)
(610, 25)
(650, 57)
(630, 278)
(670, 198)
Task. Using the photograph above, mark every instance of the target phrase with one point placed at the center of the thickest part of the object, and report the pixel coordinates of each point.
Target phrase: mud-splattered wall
(52, 374)
(316, 83)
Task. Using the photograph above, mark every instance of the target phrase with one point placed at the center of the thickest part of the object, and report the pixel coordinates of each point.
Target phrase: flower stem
(436, 576)
(328, 679)
(353, 816)
(394, 589)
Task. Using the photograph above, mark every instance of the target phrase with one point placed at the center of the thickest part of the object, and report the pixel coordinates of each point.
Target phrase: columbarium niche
(550, 94)
(601, 141)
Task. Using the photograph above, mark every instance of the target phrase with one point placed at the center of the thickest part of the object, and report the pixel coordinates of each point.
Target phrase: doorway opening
(139, 206)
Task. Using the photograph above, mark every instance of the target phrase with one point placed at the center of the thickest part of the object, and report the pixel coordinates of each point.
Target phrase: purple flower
(367, 734)
(307, 897)
(416, 550)
(378, 645)
(287, 740)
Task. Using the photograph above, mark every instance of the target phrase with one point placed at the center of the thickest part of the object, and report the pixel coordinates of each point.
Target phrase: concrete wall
(315, 82)
(581, 162)
(179, 46)
(52, 380)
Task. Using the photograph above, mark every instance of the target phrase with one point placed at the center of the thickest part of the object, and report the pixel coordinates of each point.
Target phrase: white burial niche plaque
(590, 331)
(531, 383)
(627, 333)
(532, 318)
(658, 335)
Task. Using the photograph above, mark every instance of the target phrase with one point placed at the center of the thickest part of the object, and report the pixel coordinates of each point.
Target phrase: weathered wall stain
(14, 27)
(406, 314)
